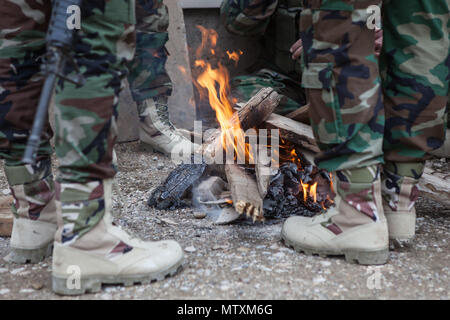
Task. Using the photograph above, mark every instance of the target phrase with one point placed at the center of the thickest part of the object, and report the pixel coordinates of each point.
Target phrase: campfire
(256, 164)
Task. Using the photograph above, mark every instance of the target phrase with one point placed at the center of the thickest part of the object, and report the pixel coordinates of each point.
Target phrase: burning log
(296, 132)
(435, 185)
(244, 192)
(253, 113)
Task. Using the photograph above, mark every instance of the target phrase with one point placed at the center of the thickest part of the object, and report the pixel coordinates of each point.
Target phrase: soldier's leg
(340, 74)
(85, 131)
(415, 67)
(22, 43)
(150, 84)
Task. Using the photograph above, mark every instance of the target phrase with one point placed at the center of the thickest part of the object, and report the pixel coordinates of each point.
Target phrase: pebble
(199, 214)
(160, 165)
(26, 291)
(37, 285)
(265, 269)
(6, 191)
(155, 158)
(319, 279)
(168, 221)
(4, 291)
(16, 271)
(106, 296)
(190, 249)
(279, 255)
(225, 285)
(3, 270)
(325, 263)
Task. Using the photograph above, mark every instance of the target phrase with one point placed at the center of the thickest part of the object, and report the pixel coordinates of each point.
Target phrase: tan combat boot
(88, 254)
(34, 212)
(355, 227)
(400, 193)
(156, 131)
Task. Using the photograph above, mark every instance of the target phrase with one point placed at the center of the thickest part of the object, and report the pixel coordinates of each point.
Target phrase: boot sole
(23, 256)
(93, 284)
(377, 257)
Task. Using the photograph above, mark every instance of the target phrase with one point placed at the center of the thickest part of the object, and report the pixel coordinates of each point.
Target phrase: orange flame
(313, 192)
(214, 84)
(235, 56)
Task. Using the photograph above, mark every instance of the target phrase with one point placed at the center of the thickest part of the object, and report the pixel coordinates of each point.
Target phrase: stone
(37, 285)
(160, 165)
(4, 291)
(190, 249)
(199, 215)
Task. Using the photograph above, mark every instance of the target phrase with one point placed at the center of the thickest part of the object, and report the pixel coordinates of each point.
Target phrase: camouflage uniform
(85, 132)
(148, 77)
(355, 128)
(85, 117)
(358, 132)
(276, 21)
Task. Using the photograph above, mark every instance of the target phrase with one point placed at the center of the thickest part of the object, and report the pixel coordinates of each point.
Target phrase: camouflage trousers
(363, 114)
(84, 117)
(148, 77)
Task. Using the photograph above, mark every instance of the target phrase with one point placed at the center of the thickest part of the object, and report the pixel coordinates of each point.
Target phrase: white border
(189, 4)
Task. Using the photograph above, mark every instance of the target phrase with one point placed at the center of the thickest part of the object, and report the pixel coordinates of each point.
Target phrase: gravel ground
(246, 261)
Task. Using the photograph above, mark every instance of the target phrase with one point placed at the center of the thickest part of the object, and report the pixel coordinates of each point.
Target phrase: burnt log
(169, 195)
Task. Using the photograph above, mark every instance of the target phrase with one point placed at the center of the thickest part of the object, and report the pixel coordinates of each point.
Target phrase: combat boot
(34, 212)
(355, 227)
(400, 193)
(156, 131)
(89, 253)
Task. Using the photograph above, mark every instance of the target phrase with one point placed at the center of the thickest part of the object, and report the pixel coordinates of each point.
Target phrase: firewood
(263, 171)
(435, 185)
(253, 113)
(244, 192)
(300, 115)
(293, 131)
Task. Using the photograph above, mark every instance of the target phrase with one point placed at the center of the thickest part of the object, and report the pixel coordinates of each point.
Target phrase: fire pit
(256, 165)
